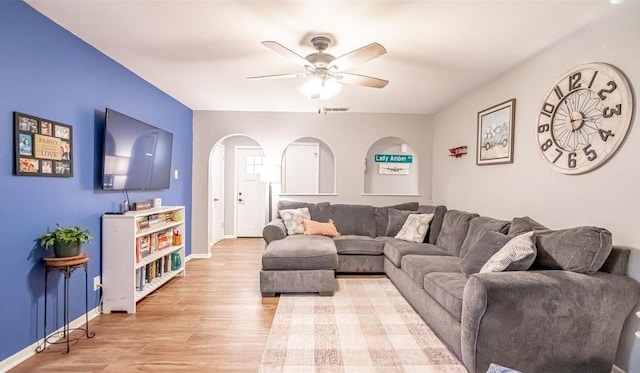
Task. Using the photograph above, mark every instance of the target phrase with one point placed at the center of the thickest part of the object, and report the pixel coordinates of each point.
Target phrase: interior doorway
(216, 194)
(251, 192)
(223, 189)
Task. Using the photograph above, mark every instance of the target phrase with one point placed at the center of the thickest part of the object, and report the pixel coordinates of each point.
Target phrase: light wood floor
(212, 320)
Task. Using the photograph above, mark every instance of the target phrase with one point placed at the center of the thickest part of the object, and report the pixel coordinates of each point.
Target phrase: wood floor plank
(212, 320)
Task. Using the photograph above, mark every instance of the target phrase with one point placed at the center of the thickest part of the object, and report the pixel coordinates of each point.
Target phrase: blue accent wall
(48, 72)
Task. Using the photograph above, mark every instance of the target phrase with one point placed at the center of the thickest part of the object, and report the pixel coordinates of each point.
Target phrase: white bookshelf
(121, 264)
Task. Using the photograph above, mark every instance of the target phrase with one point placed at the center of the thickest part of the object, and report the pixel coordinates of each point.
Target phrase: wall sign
(42, 147)
(394, 158)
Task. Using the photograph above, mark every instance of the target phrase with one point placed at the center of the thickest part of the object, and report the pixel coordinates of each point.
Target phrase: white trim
(29, 351)
(308, 194)
(391, 195)
(198, 256)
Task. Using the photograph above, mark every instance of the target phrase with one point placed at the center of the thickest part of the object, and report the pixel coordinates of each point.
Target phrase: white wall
(349, 135)
(607, 197)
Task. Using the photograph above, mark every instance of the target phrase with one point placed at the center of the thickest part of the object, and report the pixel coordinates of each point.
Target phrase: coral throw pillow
(324, 229)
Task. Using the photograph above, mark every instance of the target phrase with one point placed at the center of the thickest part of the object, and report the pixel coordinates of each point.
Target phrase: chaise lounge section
(563, 312)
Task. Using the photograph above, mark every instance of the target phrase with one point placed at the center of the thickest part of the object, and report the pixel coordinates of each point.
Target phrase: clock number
(559, 155)
(593, 78)
(543, 128)
(546, 145)
(609, 112)
(604, 135)
(558, 92)
(547, 109)
(612, 88)
(572, 160)
(574, 81)
(590, 153)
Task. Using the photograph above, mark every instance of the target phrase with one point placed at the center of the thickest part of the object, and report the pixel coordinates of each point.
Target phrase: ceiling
(201, 52)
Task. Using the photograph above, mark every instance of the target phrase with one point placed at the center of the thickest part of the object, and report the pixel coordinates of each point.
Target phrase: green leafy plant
(65, 234)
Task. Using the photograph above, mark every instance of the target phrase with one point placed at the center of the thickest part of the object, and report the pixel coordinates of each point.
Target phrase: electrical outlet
(96, 283)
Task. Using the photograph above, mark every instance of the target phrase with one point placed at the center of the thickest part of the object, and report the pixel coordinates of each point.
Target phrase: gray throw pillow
(489, 243)
(454, 230)
(477, 227)
(524, 224)
(517, 255)
(580, 249)
(396, 221)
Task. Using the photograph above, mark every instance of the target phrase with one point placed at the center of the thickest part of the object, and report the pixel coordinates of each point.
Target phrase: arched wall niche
(391, 168)
(308, 167)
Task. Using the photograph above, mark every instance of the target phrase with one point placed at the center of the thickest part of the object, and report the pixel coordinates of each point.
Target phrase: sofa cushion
(580, 249)
(292, 219)
(477, 227)
(300, 252)
(381, 215)
(489, 243)
(417, 266)
(323, 229)
(524, 224)
(395, 249)
(358, 245)
(415, 228)
(454, 230)
(436, 223)
(319, 211)
(397, 218)
(354, 219)
(517, 255)
(446, 288)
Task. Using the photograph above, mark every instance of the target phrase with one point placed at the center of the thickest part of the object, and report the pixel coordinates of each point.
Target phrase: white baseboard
(198, 256)
(20, 356)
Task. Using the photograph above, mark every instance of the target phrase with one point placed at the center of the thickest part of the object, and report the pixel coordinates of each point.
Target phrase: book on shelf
(143, 247)
(140, 278)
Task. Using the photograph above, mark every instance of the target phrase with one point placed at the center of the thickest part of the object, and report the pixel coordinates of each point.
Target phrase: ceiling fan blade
(357, 57)
(363, 80)
(287, 53)
(278, 76)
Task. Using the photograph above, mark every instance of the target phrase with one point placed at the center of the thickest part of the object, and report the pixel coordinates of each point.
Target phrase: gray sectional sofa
(564, 314)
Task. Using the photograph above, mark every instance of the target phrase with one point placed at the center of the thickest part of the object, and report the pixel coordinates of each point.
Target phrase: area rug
(366, 326)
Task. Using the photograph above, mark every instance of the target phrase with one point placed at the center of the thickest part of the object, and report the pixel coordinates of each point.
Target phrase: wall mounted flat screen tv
(137, 155)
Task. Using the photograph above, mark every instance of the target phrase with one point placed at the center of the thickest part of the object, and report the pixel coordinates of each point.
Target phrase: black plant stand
(66, 266)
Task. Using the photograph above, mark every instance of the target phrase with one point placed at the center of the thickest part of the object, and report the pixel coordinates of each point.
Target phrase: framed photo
(495, 134)
(42, 147)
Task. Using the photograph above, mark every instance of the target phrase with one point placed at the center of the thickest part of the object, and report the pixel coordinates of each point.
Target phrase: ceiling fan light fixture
(319, 88)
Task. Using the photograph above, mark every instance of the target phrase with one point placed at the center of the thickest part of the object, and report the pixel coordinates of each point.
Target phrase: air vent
(326, 110)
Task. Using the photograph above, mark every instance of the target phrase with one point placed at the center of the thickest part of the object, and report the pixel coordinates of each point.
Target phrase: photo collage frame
(42, 147)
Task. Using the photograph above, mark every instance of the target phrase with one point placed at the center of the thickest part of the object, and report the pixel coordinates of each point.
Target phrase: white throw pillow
(293, 219)
(516, 255)
(415, 228)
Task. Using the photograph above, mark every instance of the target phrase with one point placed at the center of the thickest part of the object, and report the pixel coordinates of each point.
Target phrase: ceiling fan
(325, 69)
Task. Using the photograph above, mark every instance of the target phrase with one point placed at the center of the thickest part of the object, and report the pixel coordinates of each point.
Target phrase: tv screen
(137, 156)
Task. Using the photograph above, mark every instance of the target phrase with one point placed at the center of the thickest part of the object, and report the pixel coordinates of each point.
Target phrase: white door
(251, 193)
(216, 194)
(301, 165)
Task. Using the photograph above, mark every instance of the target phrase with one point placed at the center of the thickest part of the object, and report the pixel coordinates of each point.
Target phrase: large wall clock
(584, 118)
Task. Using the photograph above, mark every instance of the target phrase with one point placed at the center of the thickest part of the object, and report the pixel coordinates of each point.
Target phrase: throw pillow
(579, 249)
(477, 227)
(292, 219)
(415, 228)
(517, 255)
(323, 229)
(487, 245)
(524, 224)
(397, 218)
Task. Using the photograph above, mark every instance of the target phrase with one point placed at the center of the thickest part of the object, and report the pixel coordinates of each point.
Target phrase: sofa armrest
(544, 321)
(275, 230)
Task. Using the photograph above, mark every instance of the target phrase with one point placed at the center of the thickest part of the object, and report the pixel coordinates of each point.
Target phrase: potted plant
(66, 241)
